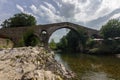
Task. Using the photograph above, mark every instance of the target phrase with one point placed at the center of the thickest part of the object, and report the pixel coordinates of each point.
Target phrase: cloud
(48, 13)
(77, 11)
(27, 12)
(102, 20)
(83, 12)
(20, 8)
(87, 12)
(50, 6)
(115, 16)
(33, 7)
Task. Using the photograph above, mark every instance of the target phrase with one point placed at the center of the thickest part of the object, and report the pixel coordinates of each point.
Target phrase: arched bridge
(43, 32)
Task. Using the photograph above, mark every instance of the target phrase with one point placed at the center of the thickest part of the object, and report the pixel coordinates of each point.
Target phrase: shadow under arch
(76, 32)
(31, 40)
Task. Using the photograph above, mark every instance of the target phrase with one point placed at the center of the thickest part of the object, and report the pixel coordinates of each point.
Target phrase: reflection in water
(59, 59)
(89, 67)
(95, 76)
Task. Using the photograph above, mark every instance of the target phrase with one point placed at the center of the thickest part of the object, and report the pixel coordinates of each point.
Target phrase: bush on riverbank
(107, 47)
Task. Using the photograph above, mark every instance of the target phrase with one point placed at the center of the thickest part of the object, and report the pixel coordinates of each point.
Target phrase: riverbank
(31, 63)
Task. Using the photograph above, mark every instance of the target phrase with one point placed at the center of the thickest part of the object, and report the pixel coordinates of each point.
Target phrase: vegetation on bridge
(19, 20)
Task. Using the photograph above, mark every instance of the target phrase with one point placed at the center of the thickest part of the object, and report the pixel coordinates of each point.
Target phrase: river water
(91, 67)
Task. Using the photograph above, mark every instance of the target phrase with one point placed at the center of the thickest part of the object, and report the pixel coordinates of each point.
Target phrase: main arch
(49, 29)
(43, 32)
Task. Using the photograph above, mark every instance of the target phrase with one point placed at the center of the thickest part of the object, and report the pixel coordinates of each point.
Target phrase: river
(91, 67)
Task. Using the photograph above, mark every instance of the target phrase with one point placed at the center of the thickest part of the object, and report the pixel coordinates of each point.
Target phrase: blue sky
(89, 13)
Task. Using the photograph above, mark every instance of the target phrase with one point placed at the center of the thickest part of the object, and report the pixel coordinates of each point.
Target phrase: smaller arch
(43, 32)
(31, 40)
(43, 35)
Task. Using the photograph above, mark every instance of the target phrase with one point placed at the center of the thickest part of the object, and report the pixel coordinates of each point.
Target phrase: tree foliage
(63, 43)
(111, 29)
(73, 41)
(19, 20)
(52, 44)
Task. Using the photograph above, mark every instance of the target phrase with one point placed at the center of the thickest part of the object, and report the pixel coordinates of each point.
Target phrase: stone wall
(6, 43)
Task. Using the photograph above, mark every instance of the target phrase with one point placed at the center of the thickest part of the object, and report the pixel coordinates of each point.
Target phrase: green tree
(52, 44)
(62, 44)
(83, 37)
(73, 41)
(19, 20)
(77, 40)
(111, 29)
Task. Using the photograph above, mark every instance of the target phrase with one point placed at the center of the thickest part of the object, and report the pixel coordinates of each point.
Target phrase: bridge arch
(42, 31)
(58, 28)
(61, 30)
(49, 31)
(75, 40)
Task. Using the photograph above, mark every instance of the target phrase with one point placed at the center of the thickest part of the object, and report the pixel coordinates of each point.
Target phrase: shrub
(90, 43)
(29, 39)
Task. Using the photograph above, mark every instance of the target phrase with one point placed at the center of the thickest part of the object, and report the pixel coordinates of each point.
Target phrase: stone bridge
(43, 32)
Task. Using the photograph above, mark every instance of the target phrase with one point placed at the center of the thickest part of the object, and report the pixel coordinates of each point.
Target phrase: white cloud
(20, 8)
(115, 16)
(76, 11)
(107, 7)
(33, 7)
(48, 13)
(50, 6)
(23, 11)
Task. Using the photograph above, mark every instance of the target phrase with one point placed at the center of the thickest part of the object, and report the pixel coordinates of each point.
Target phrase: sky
(89, 13)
